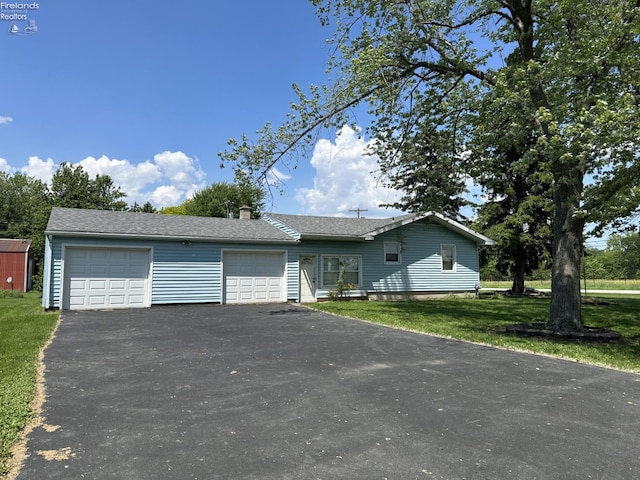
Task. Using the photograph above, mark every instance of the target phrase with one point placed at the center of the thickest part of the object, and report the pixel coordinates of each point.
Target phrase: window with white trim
(448, 254)
(334, 266)
(392, 252)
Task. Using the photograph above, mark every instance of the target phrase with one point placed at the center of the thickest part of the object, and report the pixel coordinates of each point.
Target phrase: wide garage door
(253, 277)
(106, 278)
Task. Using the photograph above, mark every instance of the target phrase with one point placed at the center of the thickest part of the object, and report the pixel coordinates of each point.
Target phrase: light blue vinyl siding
(420, 269)
(193, 274)
(421, 266)
(53, 285)
(179, 273)
(185, 274)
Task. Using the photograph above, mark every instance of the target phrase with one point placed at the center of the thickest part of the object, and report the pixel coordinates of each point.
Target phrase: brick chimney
(245, 212)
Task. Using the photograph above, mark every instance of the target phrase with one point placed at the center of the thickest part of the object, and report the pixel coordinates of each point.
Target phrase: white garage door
(253, 277)
(105, 278)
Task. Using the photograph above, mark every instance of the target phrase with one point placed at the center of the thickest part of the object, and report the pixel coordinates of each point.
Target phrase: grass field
(591, 284)
(24, 329)
(478, 319)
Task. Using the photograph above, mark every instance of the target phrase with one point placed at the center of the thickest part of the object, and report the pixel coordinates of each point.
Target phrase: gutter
(168, 238)
(346, 238)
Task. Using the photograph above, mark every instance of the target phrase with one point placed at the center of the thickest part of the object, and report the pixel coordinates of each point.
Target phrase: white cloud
(132, 178)
(168, 179)
(182, 171)
(5, 120)
(346, 179)
(276, 177)
(41, 169)
(166, 195)
(5, 167)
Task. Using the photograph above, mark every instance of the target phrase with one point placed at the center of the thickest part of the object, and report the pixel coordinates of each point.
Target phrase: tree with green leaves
(72, 187)
(146, 208)
(24, 212)
(516, 184)
(427, 68)
(225, 199)
(175, 209)
(625, 252)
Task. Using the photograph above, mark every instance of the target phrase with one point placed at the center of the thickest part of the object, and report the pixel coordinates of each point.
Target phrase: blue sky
(150, 92)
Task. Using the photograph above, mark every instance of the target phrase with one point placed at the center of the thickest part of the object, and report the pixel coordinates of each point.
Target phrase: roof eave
(321, 236)
(61, 233)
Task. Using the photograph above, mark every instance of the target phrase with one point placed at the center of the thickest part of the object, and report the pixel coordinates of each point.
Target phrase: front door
(307, 279)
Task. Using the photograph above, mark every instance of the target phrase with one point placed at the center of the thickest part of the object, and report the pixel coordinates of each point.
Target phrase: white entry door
(307, 279)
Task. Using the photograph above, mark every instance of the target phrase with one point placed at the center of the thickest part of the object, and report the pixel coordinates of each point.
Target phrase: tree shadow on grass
(493, 314)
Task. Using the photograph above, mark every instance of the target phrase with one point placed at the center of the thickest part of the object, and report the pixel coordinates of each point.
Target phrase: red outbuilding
(16, 264)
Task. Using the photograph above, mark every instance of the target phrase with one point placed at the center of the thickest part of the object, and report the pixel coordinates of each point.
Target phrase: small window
(391, 252)
(448, 253)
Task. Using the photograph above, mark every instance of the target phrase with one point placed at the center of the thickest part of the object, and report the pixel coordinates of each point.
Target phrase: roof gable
(350, 228)
(438, 219)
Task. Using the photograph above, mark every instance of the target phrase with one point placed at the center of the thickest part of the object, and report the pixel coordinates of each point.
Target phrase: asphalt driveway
(282, 392)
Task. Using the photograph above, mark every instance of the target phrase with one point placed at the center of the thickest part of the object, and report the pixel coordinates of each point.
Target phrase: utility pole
(358, 210)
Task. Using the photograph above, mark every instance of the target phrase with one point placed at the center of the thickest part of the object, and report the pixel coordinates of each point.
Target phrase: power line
(358, 210)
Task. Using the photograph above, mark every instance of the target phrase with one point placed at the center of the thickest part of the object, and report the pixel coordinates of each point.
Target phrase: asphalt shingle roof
(106, 222)
(333, 226)
(71, 221)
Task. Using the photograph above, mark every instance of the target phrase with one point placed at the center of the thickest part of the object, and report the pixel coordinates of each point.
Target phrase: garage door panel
(117, 284)
(136, 300)
(77, 284)
(251, 277)
(96, 284)
(106, 278)
(116, 300)
(96, 300)
(136, 284)
(78, 301)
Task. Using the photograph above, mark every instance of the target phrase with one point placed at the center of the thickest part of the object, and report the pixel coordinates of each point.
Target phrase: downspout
(46, 275)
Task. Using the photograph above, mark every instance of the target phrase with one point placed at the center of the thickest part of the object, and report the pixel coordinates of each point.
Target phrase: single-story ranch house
(98, 259)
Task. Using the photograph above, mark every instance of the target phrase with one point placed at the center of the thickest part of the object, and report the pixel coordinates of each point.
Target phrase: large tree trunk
(517, 273)
(565, 312)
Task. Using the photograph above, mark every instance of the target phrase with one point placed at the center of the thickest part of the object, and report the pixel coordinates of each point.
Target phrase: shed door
(253, 277)
(106, 278)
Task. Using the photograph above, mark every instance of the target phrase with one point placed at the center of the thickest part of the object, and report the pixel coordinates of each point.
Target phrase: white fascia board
(166, 238)
(438, 218)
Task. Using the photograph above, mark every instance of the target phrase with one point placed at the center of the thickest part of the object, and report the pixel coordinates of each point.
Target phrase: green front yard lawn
(591, 284)
(24, 329)
(479, 319)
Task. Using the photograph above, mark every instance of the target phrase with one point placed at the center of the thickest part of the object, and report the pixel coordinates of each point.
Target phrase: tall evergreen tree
(72, 187)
